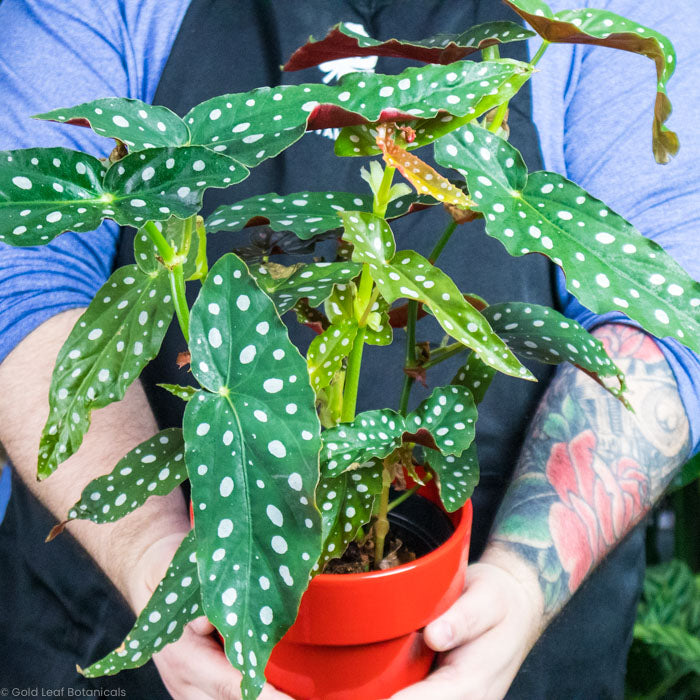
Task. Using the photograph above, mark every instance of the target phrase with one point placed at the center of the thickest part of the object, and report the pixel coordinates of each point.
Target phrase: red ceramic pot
(357, 636)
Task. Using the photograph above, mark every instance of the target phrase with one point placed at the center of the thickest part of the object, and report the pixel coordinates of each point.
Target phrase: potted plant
(285, 474)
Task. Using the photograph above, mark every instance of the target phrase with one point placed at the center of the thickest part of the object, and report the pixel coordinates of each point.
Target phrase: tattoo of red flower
(629, 342)
(599, 502)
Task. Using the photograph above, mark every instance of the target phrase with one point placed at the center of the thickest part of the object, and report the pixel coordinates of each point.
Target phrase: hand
(487, 633)
(195, 667)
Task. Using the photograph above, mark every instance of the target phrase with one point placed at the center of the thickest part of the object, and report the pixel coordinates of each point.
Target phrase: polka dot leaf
(348, 446)
(475, 376)
(603, 28)
(406, 274)
(160, 182)
(117, 336)
(154, 468)
(305, 213)
(543, 334)
(182, 392)
(378, 330)
(457, 476)
(327, 351)
(45, 191)
(175, 602)
(313, 281)
(343, 42)
(449, 415)
(260, 124)
(608, 264)
(482, 86)
(135, 123)
(346, 503)
(252, 448)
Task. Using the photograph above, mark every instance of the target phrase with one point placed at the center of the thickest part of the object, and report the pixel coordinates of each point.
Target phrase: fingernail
(441, 634)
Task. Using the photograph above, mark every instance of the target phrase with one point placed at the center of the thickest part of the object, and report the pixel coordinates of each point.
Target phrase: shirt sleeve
(59, 54)
(601, 139)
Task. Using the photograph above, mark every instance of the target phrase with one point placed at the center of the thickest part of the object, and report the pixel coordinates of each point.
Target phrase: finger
(201, 626)
(475, 612)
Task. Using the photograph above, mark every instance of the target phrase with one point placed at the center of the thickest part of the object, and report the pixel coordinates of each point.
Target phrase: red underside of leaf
(328, 116)
(421, 437)
(338, 45)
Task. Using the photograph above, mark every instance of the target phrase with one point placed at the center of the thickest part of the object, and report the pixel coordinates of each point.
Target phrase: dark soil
(359, 556)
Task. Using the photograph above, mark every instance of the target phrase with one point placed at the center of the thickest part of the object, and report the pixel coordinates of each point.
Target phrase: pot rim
(462, 526)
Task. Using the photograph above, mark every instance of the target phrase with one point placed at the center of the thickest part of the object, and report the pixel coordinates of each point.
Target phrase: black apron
(226, 46)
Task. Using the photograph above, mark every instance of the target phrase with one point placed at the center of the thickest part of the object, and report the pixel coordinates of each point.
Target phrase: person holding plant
(587, 471)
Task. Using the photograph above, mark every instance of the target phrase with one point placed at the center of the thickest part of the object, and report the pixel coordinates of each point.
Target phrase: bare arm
(135, 551)
(589, 471)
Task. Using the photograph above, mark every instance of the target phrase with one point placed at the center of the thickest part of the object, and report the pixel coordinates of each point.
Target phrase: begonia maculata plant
(284, 472)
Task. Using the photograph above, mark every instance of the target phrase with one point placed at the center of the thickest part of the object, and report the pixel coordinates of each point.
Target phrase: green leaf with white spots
(482, 86)
(347, 446)
(603, 28)
(449, 415)
(154, 468)
(378, 330)
(544, 334)
(457, 476)
(175, 602)
(46, 191)
(609, 265)
(252, 442)
(327, 351)
(257, 125)
(340, 304)
(135, 123)
(476, 376)
(160, 182)
(313, 281)
(117, 336)
(182, 392)
(346, 504)
(410, 275)
(305, 213)
(343, 42)
(178, 233)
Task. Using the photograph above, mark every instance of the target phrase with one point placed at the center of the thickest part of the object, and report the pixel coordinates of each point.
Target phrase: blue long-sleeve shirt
(592, 108)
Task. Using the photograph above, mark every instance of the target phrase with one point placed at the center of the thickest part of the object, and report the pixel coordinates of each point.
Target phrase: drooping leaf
(154, 468)
(257, 125)
(252, 443)
(305, 213)
(548, 336)
(45, 191)
(457, 476)
(449, 415)
(348, 445)
(343, 42)
(479, 88)
(603, 28)
(409, 275)
(135, 123)
(346, 503)
(175, 602)
(609, 265)
(117, 336)
(327, 350)
(182, 392)
(422, 176)
(313, 281)
(476, 376)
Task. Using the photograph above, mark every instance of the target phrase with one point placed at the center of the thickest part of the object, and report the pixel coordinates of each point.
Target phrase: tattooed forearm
(590, 469)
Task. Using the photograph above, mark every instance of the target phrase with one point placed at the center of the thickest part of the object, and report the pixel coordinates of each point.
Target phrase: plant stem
(158, 240)
(442, 242)
(177, 285)
(538, 55)
(498, 118)
(201, 262)
(381, 526)
(490, 53)
(381, 198)
(408, 493)
(442, 354)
